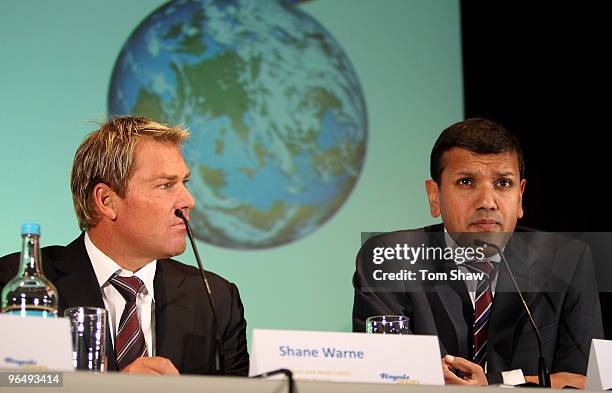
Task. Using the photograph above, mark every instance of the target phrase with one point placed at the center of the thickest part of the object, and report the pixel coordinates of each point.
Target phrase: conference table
(80, 382)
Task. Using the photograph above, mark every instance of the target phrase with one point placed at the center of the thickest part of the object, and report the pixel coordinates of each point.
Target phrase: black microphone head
(485, 244)
(179, 214)
(480, 243)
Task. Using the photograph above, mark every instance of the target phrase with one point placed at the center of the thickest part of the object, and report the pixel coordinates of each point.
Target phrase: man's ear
(520, 201)
(105, 200)
(433, 194)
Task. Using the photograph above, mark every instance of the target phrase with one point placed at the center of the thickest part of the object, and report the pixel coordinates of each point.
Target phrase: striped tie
(482, 310)
(129, 342)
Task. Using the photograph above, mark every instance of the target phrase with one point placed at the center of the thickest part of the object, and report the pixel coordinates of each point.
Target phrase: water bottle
(30, 293)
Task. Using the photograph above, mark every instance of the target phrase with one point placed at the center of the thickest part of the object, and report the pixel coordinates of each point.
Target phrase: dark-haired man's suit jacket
(556, 274)
(183, 323)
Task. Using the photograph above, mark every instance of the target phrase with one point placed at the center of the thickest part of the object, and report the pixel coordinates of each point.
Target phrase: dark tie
(482, 309)
(129, 341)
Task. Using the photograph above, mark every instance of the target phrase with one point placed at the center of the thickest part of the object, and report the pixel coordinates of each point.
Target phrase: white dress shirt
(105, 268)
(471, 285)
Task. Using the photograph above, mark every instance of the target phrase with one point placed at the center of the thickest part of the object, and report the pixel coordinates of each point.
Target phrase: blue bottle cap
(30, 229)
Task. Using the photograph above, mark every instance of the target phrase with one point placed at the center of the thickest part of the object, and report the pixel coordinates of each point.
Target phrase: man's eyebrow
(508, 173)
(164, 176)
(467, 173)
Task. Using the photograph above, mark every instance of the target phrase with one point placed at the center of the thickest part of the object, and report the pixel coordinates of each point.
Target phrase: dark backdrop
(540, 70)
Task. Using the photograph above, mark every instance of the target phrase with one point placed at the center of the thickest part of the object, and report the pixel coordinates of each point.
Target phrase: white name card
(35, 343)
(600, 364)
(348, 357)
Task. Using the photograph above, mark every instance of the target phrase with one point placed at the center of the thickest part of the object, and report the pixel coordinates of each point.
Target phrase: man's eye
(504, 183)
(165, 186)
(466, 181)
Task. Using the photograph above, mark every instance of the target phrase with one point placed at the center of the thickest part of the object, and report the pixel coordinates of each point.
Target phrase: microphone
(543, 373)
(219, 353)
(284, 371)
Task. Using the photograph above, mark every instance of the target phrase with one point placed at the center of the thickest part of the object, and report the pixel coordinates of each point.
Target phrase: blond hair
(107, 156)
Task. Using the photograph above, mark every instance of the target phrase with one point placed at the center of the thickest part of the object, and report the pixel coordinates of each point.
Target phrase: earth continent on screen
(275, 109)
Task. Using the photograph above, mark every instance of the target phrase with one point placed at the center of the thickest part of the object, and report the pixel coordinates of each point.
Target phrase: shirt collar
(105, 267)
(450, 242)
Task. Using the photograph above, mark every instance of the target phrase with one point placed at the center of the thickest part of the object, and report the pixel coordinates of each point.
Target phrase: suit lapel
(75, 273)
(174, 313)
(75, 277)
(454, 298)
(507, 312)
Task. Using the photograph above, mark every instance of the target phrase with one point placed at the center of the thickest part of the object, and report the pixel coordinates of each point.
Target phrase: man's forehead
(459, 160)
(159, 160)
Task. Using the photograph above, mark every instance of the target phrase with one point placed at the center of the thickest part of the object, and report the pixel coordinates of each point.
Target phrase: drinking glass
(387, 324)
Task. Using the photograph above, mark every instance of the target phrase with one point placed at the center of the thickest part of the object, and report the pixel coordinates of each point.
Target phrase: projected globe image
(275, 109)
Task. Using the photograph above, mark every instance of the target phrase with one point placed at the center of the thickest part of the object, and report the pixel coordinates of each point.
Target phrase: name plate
(348, 357)
(34, 343)
(600, 364)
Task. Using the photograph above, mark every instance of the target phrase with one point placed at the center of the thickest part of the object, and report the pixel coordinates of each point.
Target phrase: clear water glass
(387, 324)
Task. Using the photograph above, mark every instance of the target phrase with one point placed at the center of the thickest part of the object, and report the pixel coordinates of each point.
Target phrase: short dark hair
(480, 136)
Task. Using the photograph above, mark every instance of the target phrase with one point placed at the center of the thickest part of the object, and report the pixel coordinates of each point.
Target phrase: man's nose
(487, 198)
(186, 200)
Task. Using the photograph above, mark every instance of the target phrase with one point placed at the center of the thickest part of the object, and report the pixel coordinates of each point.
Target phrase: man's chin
(475, 236)
(175, 251)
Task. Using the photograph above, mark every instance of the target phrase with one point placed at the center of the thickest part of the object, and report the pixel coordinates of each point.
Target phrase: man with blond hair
(128, 178)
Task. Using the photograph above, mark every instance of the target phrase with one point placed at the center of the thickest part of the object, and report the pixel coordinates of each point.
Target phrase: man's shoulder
(423, 234)
(189, 281)
(172, 266)
(9, 264)
(47, 251)
(552, 241)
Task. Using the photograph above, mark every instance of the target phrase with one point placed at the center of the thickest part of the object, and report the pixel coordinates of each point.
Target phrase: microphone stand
(218, 347)
(543, 373)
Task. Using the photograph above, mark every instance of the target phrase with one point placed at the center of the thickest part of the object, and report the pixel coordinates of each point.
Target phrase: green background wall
(56, 62)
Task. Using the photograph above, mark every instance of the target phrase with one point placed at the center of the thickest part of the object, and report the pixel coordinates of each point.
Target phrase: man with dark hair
(479, 136)
(477, 185)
